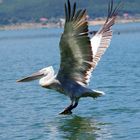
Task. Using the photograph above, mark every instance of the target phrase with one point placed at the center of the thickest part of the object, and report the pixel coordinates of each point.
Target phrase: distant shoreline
(59, 25)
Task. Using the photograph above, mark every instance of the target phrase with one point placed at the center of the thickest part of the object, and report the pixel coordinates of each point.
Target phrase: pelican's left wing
(75, 46)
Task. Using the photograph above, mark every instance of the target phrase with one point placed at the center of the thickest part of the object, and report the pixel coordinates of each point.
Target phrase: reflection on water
(77, 128)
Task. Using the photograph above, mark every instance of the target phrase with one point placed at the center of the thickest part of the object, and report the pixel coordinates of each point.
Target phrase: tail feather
(93, 94)
(97, 93)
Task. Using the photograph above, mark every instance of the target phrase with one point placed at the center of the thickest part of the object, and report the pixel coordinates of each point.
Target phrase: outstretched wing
(79, 54)
(101, 41)
(75, 46)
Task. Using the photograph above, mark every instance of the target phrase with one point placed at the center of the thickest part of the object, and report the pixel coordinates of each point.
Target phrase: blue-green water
(29, 112)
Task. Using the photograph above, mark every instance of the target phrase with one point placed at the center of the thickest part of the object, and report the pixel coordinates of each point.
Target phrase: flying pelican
(79, 56)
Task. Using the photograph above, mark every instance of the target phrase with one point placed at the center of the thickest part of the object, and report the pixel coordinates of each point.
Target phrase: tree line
(18, 11)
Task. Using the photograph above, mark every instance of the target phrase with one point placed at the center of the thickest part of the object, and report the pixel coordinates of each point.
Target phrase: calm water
(29, 112)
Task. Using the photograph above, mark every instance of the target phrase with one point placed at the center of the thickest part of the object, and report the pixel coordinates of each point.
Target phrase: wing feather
(101, 40)
(75, 46)
(79, 53)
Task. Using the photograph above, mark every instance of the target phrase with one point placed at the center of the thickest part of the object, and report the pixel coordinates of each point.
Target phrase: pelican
(80, 54)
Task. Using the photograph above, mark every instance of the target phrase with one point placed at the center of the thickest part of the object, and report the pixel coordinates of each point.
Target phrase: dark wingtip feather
(77, 14)
(110, 7)
(74, 10)
(69, 10)
(113, 11)
(66, 12)
(81, 14)
(117, 8)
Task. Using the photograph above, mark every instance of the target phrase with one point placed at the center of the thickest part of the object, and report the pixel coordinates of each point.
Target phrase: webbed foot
(66, 112)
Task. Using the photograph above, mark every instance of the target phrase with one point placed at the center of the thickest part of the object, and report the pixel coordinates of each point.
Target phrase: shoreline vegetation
(60, 24)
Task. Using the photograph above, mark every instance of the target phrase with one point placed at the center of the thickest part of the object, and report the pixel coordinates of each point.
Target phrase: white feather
(95, 43)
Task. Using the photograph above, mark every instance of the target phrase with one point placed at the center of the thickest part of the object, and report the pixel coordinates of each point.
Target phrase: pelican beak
(32, 77)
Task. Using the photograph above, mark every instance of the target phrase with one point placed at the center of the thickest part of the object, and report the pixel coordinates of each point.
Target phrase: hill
(13, 11)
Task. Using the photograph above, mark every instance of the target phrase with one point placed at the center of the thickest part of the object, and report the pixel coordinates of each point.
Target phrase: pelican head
(46, 76)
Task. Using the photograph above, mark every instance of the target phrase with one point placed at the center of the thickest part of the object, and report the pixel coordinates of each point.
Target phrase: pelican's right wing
(101, 40)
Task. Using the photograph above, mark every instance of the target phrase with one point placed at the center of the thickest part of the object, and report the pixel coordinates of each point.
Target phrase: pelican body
(80, 55)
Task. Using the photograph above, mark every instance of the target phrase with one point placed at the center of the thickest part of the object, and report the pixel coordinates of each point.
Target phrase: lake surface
(29, 112)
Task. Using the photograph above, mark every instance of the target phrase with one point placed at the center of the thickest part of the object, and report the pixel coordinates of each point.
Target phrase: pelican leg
(75, 105)
(67, 110)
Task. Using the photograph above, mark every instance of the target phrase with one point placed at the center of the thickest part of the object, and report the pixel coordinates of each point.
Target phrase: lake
(29, 112)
